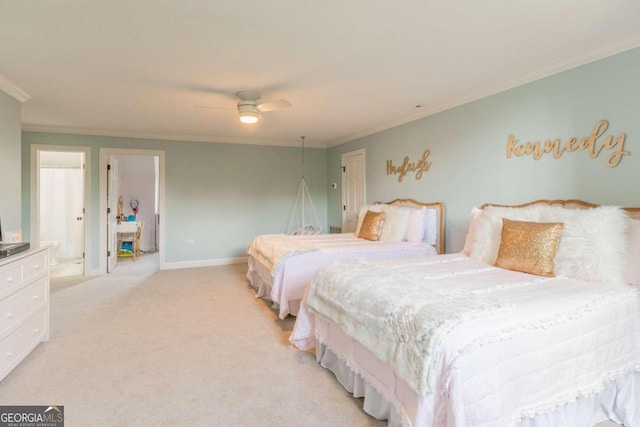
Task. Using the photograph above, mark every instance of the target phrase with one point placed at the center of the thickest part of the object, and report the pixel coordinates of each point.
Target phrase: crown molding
(165, 137)
(12, 90)
(560, 66)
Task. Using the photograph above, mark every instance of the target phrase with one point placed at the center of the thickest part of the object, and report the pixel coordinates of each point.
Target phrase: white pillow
(416, 225)
(471, 238)
(592, 247)
(430, 226)
(396, 220)
(633, 254)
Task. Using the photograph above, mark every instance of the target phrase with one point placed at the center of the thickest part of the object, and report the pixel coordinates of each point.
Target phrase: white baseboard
(187, 264)
(203, 263)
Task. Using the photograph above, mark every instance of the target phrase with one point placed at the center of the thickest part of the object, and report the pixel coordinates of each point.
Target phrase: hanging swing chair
(303, 219)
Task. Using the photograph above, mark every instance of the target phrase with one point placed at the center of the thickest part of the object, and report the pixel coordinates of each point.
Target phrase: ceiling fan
(249, 109)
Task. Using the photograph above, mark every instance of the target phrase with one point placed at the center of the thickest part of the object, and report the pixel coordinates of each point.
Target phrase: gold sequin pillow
(529, 247)
(371, 225)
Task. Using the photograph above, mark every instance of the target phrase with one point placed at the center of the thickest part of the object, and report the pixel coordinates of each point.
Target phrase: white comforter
(537, 343)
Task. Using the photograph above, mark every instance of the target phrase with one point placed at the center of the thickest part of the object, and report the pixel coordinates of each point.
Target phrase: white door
(112, 213)
(353, 188)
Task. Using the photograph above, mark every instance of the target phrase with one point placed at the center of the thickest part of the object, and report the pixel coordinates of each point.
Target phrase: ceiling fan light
(248, 117)
(248, 113)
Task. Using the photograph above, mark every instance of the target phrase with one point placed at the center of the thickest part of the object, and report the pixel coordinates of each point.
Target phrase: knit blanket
(273, 249)
(403, 317)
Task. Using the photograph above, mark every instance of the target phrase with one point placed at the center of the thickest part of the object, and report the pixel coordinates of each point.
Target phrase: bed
(280, 267)
(453, 340)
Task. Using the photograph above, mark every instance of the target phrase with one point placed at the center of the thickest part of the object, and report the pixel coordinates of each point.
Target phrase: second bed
(280, 267)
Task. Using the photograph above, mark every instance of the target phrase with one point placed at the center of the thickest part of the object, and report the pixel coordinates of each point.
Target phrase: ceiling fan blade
(274, 105)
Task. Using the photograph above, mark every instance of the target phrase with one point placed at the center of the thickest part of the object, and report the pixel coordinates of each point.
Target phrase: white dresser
(24, 306)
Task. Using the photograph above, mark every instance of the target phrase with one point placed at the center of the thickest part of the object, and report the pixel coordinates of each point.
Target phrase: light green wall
(10, 207)
(220, 195)
(468, 146)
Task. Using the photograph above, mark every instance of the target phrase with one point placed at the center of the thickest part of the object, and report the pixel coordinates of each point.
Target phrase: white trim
(12, 90)
(105, 152)
(166, 137)
(558, 67)
(34, 199)
(205, 263)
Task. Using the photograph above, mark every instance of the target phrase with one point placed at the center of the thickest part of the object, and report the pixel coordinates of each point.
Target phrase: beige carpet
(192, 347)
(178, 348)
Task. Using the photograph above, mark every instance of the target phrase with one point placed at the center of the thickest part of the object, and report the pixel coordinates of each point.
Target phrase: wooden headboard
(572, 204)
(437, 206)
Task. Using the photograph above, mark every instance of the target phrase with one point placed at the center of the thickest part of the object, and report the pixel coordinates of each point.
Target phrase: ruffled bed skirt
(619, 401)
(261, 280)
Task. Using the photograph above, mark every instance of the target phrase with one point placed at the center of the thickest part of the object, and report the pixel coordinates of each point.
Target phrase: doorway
(353, 188)
(131, 194)
(58, 217)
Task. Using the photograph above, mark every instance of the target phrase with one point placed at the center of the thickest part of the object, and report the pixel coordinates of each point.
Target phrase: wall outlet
(191, 241)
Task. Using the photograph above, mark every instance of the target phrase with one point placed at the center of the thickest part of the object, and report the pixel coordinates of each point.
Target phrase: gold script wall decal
(419, 167)
(589, 143)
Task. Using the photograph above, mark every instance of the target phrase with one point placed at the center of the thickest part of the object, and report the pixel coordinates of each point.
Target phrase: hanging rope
(298, 211)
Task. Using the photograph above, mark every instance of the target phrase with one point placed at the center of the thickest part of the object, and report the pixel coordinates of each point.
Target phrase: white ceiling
(349, 67)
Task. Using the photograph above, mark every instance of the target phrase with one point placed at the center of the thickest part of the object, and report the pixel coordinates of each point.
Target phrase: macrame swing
(300, 222)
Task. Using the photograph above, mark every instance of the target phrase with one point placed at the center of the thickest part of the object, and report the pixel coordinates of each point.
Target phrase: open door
(114, 168)
(113, 211)
(60, 206)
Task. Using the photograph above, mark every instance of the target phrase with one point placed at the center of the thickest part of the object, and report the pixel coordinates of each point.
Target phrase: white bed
(280, 267)
(501, 347)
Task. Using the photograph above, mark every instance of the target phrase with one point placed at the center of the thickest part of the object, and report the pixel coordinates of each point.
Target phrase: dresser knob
(9, 355)
(36, 297)
(36, 267)
(10, 279)
(9, 315)
(36, 330)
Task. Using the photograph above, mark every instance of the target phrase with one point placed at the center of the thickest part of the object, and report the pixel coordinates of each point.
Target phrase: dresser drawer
(17, 307)
(18, 344)
(34, 266)
(10, 279)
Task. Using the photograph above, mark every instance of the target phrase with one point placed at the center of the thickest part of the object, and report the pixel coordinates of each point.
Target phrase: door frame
(344, 156)
(34, 189)
(105, 152)
(114, 206)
